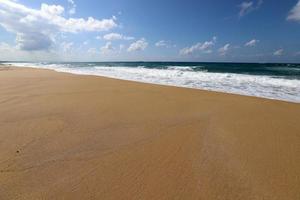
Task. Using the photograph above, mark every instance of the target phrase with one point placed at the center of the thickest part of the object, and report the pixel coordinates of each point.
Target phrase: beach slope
(65, 136)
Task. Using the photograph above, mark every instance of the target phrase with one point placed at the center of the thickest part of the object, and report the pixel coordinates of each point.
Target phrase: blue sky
(156, 30)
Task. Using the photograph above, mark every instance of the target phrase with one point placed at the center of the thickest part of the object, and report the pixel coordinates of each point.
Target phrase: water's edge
(264, 86)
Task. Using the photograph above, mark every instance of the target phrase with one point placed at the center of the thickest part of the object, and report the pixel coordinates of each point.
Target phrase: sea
(279, 81)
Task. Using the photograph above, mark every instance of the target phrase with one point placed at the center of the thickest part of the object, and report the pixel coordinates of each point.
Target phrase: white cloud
(66, 46)
(73, 6)
(294, 14)
(161, 43)
(247, 7)
(11, 53)
(115, 36)
(224, 50)
(92, 51)
(252, 43)
(138, 45)
(279, 52)
(52, 10)
(107, 48)
(36, 29)
(6, 47)
(33, 41)
(202, 47)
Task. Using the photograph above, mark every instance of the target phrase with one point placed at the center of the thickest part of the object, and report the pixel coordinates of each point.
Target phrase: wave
(285, 68)
(181, 68)
(252, 85)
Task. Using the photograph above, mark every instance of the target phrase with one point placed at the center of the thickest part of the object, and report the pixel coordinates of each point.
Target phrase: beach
(66, 136)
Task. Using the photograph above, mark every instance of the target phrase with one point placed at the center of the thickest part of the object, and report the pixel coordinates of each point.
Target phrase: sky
(156, 30)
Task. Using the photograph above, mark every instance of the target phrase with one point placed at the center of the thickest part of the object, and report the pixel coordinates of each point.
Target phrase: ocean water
(272, 81)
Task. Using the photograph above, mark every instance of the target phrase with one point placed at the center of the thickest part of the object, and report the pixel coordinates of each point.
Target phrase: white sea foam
(251, 85)
(181, 68)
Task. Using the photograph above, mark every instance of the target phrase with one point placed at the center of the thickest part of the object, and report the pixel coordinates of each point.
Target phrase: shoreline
(65, 136)
(159, 84)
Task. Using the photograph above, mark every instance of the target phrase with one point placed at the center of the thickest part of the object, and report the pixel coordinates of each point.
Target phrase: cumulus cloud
(279, 52)
(115, 36)
(92, 51)
(5, 47)
(163, 43)
(9, 52)
(66, 46)
(12, 53)
(36, 29)
(73, 6)
(202, 47)
(247, 7)
(252, 43)
(33, 41)
(294, 14)
(224, 50)
(107, 48)
(138, 45)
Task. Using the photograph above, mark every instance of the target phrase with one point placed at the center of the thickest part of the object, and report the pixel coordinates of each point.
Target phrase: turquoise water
(274, 81)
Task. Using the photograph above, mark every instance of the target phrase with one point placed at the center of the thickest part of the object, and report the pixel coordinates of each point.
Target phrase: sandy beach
(65, 136)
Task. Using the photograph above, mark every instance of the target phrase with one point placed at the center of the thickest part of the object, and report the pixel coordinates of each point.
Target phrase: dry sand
(66, 136)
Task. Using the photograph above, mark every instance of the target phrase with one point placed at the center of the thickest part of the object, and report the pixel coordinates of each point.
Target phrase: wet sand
(65, 136)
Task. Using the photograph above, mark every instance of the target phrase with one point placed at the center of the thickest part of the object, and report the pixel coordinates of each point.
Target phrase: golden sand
(66, 136)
